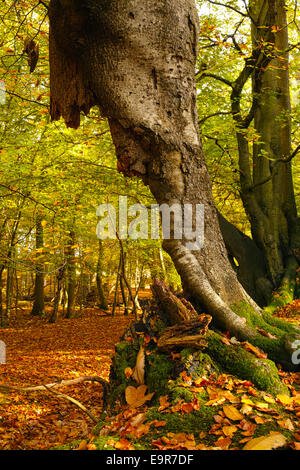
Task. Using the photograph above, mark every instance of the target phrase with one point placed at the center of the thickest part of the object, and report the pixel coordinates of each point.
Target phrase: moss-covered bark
(236, 360)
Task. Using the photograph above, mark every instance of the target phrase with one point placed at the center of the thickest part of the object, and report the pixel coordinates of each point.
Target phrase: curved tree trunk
(137, 63)
(252, 271)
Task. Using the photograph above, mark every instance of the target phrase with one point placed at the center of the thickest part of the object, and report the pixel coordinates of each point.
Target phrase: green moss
(278, 323)
(266, 428)
(198, 364)
(266, 321)
(190, 423)
(125, 356)
(101, 442)
(177, 392)
(236, 360)
(71, 446)
(244, 310)
(276, 348)
(160, 367)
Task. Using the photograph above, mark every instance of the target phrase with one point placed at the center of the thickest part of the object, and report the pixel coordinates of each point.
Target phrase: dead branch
(189, 334)
(54, 385)
(72, 400)
(177, 310)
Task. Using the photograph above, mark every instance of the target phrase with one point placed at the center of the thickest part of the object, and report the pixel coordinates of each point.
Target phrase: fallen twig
(72, 400)
(61, 383)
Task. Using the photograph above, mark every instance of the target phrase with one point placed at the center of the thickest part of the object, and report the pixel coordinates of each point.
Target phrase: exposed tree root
(285, 294)
(200, 352)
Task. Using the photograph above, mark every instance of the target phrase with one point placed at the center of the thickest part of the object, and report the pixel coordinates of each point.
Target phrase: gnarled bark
(137, 62)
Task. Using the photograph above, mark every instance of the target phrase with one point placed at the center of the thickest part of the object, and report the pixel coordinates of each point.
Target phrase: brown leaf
(82, 445)
(229, 430)
(223, 442)
(254, 350)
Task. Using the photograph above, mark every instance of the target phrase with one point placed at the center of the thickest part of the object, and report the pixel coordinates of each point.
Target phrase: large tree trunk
(267, 192)
(137, 63)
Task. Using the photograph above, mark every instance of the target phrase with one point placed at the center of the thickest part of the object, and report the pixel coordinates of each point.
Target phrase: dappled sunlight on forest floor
(41, 353)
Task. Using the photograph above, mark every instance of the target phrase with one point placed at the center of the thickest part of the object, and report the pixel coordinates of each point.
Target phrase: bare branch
(61, 383)
(245, 15)
(220, 113)
(216, 77)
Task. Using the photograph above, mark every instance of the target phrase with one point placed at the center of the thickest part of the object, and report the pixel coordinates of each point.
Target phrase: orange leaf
(232, 413)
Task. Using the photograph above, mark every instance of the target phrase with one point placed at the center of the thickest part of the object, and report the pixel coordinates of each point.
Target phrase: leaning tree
(269, 260)
(136, 62)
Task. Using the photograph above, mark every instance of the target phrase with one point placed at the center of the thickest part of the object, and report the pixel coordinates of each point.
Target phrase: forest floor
(41, 353)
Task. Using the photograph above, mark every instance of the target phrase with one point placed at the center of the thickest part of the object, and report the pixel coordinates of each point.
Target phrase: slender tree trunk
(71, 275)
(59, 277)
(38, 307)
(124, 299)
(2, 317)
(116, 288)
(9, 286)
(137, 63)
(100, 291)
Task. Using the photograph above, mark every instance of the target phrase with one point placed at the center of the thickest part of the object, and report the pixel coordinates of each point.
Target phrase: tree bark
(252, 271)
(38, 307)
(101, 295)
(137, 63)
(71, 273)
(267, 191)
(59, 277)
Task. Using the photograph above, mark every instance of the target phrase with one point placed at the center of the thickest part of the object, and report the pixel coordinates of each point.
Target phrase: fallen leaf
(128, 372)
(285, 399)
(254, 350)
(82, 445)
(123, 444)
(271, 441)
(232, 413)
(229, 430)
(222, 442)
(136, 397)
(163, 403)
(286, 424)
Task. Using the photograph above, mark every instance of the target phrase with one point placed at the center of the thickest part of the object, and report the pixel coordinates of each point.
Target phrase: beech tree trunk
(71, 272)
(38, 307)
(136, 61)
(100, 291)
(267, 191)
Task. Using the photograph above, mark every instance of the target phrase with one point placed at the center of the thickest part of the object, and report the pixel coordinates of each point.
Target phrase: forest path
(41, 353)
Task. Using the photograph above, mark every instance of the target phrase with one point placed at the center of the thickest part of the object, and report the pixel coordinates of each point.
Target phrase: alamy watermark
(2, 92)
(296, 353)
(2, 352)
(177, 222)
